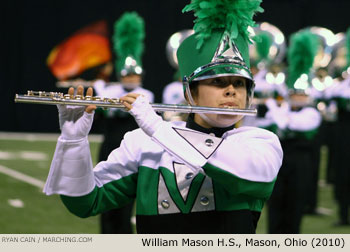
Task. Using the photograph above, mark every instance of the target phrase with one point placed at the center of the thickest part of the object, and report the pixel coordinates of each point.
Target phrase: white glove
(145, 116)
(75, 123)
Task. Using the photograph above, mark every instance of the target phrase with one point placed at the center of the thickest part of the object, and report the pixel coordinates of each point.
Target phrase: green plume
(232, 16)
(129, 34)
(347, 46)
(301, 54)
(263, 44)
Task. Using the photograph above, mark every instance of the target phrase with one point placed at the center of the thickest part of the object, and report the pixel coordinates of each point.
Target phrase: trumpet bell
(173, 44)
(276, 50)
(327, 42)
(338, 65)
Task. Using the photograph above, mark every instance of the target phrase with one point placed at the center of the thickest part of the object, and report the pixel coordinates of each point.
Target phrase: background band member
(340, 93)
(128, 47)
(266, 55)
(297, 123)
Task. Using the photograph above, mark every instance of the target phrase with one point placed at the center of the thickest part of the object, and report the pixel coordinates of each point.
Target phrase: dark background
(30, 29)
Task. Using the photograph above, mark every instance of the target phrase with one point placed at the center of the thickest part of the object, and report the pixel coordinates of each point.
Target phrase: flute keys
(67, 96)
(42, 93)
(114, 100)
(88, 97)
(78, 97)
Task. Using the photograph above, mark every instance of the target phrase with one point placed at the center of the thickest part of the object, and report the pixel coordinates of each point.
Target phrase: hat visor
(219, 69)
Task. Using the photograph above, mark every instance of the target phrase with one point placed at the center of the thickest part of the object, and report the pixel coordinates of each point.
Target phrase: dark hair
(194, 88)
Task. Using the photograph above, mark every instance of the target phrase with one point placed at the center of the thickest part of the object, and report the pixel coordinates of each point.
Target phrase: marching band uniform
(318, 94)
(269, 76)
(320, 81)
(288, 200)
(338, 93)
(185, 178)
(117, 122)
(341, 94)
(297, 124)
(263, 91)
(178, 177)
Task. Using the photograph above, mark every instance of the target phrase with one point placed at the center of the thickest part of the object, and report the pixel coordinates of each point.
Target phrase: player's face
(228, 91)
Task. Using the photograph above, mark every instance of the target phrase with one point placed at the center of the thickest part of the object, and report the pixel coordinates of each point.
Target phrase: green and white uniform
(178, 172)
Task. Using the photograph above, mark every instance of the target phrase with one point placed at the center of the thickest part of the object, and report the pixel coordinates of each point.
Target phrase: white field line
(31, 137)
(22, 177)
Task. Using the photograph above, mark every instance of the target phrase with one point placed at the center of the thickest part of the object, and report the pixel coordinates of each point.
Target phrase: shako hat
(128, 42)
(303, 47)
(220, 44)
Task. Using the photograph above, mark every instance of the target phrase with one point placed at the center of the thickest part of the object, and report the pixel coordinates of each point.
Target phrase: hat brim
(215, 70)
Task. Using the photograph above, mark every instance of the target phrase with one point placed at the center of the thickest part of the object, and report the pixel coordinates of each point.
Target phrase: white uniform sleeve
(99, 87)
(250, 154)
(304, 120)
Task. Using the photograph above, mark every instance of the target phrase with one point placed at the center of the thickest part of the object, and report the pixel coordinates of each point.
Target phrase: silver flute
(55, 98)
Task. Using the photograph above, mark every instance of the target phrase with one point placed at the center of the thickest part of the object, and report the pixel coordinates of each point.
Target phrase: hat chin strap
(222, 124)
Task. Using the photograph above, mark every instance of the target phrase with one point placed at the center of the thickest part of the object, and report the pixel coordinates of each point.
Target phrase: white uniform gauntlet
(75, 123)
(145, 116)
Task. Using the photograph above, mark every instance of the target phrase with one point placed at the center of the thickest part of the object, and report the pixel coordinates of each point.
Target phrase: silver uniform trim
(163, 194)
(205, 191)
(183, 183)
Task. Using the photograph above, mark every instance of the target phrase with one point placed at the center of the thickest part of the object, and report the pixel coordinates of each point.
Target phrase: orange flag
(86, 48)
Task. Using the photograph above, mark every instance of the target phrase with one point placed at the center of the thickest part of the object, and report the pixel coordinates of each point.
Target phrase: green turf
(41, 214)
(46, 214)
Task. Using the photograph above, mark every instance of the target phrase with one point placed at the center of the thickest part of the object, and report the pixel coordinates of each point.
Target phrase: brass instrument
(327, 41)
(173, 44)
(338, 65)
(55, 98)
(278, 47)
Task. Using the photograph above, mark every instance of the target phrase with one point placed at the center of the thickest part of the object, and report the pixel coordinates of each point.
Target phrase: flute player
(199, 176)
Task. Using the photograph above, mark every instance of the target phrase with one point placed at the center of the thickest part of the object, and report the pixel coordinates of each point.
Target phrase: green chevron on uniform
(104, 198)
